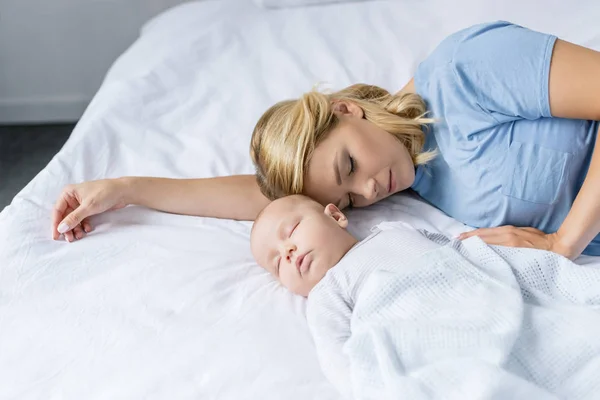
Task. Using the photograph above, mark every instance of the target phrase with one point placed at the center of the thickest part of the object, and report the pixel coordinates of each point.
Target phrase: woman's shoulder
(437, 69)
(469, 41)
(488, 74)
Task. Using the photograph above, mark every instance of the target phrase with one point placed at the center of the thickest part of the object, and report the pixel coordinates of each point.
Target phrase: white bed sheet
(153, 305)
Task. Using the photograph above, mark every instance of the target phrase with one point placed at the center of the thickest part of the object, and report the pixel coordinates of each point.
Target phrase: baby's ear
(332, 211)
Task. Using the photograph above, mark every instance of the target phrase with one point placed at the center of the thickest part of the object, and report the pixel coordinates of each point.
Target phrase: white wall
(55, 53)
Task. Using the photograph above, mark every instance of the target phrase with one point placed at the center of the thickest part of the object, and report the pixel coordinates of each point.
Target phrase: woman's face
(358, 163)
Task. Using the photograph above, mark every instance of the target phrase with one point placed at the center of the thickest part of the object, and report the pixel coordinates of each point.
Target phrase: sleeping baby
(299, 242)
(413, 313)
(307, 248)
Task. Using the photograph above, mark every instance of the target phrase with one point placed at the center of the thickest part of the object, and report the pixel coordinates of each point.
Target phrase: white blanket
(477, 322)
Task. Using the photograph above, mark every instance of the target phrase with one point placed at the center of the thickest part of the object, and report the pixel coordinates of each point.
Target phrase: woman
(508, 146)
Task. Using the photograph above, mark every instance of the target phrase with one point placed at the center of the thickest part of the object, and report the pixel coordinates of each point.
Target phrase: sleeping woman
(497, 129)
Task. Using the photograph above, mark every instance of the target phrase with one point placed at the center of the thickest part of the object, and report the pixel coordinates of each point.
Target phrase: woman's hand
(78, 202)
(521, 237)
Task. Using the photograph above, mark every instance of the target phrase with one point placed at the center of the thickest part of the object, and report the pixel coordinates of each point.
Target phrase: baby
(412, 312)
(298, 241)
(308, 249)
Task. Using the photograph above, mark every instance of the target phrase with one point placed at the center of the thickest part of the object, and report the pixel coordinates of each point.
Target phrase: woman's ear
(332, 211)
(348, 108)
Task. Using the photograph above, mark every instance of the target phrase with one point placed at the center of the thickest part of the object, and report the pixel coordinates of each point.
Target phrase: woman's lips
(391, 184)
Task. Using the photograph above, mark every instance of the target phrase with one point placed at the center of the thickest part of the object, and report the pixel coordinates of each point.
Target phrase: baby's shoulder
(329, 293)
(389, 225)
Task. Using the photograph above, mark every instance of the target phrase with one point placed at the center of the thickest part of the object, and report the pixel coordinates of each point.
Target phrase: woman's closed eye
(352, 169)
(352, 165)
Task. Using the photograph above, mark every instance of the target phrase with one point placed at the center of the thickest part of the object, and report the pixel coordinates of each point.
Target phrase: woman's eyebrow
(336, 169)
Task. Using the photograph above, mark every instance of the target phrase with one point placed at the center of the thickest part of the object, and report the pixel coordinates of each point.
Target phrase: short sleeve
(499, 69)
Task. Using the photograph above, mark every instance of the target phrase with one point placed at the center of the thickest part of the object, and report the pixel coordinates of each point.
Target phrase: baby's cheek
(288, 281)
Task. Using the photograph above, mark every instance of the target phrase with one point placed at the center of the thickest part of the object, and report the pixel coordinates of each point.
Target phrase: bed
(153, 305)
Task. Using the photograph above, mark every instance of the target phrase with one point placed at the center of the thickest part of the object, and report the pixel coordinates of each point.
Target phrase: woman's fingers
(66, 203)
(75, 234)
(78, 232)
(75, 230)
(487, 232)
(87, 226)
(73, 219)
(78, 202)
(69, 237)
(466, 235)
(58, 214)
(512, 236)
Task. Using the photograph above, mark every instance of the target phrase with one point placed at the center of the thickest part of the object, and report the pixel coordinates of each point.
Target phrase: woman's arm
(582, 223)
(574, 90)
(233, 197)
(575, 93)
(574, 86)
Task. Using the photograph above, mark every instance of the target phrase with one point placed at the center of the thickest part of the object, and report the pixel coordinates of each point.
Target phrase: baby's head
(298, 241)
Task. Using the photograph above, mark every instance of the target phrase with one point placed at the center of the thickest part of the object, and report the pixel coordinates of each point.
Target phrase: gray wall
(55, 53)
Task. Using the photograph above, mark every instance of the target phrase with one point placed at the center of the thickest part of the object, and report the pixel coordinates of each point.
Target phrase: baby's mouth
(303, 263)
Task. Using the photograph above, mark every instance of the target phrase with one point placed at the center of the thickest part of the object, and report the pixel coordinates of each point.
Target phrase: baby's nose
(287, 250)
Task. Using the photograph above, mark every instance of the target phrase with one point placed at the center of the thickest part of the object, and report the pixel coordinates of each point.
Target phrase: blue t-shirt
(503, 159)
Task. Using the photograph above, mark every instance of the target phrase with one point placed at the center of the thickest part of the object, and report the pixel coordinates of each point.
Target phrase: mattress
(153, 305)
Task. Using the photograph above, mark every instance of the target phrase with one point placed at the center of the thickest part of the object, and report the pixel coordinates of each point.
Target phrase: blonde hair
(287, 134)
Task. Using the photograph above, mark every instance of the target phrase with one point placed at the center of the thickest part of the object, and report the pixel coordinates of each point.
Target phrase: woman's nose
(370, 190)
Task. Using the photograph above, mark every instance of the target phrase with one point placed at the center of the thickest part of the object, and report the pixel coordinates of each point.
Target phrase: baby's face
(298, 242)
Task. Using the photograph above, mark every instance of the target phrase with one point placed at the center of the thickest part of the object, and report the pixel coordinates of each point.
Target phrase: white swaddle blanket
(459, 321)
